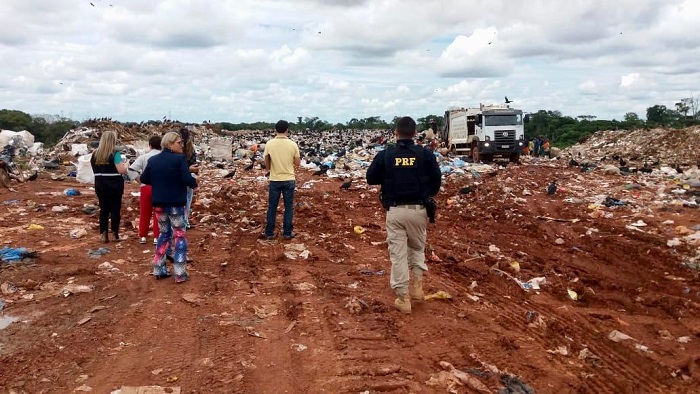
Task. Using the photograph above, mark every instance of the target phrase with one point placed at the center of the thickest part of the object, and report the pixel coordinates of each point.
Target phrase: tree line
(561, 130)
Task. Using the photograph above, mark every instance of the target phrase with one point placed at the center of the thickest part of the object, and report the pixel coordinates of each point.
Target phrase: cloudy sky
(250, 60)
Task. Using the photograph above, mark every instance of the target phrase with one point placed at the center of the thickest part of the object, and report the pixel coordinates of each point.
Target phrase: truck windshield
(503, 120)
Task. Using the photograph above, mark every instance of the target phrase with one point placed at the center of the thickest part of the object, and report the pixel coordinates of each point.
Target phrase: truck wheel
(515, 158)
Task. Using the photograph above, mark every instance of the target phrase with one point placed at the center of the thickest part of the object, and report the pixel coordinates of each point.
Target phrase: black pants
(109, 193)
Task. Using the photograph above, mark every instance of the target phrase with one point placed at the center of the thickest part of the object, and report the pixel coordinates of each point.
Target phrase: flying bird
(92, 4)
(552, 188)
(346, 185)
(508, 101)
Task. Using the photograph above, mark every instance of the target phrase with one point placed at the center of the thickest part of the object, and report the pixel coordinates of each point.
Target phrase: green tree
(14, 120)
(656, 114)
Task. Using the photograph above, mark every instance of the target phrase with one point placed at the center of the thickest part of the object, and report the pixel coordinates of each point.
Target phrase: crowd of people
(406, 170)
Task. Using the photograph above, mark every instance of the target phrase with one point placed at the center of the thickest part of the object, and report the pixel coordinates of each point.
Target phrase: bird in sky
(508, 101)
(92, 4)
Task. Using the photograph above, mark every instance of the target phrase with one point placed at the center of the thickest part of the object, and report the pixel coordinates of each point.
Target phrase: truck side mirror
(526, 119)
(479, 118)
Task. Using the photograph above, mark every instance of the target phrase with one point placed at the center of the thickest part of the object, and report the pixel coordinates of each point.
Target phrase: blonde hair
(169, 138)
(108, 142)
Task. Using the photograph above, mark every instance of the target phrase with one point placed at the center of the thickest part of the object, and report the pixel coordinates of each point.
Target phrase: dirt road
(258, 317)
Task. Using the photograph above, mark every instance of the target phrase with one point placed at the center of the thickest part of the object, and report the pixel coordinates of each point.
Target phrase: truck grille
(505, 139)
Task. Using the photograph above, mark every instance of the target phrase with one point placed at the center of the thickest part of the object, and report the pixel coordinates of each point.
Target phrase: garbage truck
(486, 132)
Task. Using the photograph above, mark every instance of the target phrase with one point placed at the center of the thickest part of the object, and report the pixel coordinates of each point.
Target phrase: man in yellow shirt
(281, 157)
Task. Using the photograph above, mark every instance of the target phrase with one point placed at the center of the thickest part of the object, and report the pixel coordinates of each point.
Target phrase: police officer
(410, 177)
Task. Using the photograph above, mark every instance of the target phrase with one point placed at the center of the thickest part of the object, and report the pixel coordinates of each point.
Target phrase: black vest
(405, 180)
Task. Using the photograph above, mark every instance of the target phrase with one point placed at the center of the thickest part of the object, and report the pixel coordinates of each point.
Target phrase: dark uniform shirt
(409, 174)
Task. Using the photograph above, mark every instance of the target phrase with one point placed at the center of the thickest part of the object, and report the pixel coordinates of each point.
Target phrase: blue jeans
(188, 207)
(286, 188)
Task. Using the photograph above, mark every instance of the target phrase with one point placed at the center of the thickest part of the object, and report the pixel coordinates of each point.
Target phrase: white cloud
(248, 60)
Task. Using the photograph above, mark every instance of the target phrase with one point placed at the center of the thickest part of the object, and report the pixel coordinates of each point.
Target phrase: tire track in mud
(616, 362)
(351, 352)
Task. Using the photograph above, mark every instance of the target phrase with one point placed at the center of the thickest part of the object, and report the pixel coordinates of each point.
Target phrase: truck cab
(485, 132)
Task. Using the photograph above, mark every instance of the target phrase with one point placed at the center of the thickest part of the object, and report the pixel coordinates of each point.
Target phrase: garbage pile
(133, 137)
(639, 147)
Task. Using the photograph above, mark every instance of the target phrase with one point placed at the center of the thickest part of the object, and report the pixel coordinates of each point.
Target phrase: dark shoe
(104, 238)
(163, 276)
(169, 258)
(288, 237)
(116, 237)
(181, 278)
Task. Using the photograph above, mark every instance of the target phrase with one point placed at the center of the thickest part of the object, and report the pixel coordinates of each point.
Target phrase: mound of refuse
(638, 147)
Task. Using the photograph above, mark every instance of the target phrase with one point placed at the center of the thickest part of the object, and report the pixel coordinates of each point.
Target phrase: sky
(264, 60)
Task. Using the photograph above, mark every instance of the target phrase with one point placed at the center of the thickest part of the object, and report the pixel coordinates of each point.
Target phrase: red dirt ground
(260, 322)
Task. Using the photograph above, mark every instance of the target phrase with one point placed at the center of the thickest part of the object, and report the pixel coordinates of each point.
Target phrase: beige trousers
(405, 234)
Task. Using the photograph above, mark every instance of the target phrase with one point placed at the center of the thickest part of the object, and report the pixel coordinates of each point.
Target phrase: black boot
(104, 238)
(115, 235)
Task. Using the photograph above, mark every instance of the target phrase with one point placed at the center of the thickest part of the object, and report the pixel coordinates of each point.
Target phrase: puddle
(6, 321)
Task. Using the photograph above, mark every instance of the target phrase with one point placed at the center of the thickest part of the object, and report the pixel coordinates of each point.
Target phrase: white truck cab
(485, 132)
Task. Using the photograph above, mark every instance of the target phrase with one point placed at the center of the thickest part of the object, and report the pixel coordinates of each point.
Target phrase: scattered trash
(359, 230)
(8, 288)
(572, 294)
(684, 339)
(639, 223)
(559, 241)
(451, 378)
(563, 350)
(356, 305)
(59, 208)
(440, 295)
(71, 192)
(494, 249)
(617, 336)
(77, 233)
(263, 312)
(35, 227)
(514, 385)
(8, 254)
(434, 257)
(292, 251)
(84, 320)
(74, 289)
(369, 272)
(643, 348)
(673, 242)
(530, 316)
(84, 387)
(251, 331)
(613, 202)
(683, 230)
(89, 209)
(11, 202)
(299, 347)
(515, 266)
(97, 253)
